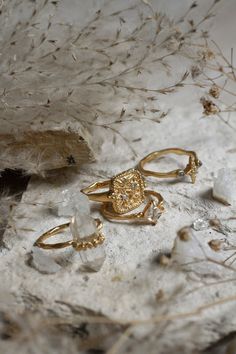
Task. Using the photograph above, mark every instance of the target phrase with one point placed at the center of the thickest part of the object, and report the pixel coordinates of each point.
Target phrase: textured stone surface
(126, 286)
(170, 308)
(43, 262)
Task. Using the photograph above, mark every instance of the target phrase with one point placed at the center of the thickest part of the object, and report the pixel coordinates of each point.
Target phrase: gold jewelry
(150, 214)
(191, 168)
(89, 242)
(126, 192)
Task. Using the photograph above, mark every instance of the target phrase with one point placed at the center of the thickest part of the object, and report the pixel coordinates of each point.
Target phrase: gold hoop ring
(191, 168)
(89, 242)
(150, 214)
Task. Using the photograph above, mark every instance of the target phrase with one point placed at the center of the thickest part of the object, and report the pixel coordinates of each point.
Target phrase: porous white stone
(224, 188)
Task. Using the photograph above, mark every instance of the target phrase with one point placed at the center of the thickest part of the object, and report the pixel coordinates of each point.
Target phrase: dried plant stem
(171, 317)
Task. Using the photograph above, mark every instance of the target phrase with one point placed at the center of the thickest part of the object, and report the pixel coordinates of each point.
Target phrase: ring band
(190, 169)
(90, 241)
(150, 214)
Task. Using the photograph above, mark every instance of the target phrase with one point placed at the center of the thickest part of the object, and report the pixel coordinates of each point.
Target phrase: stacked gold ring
(150, 214)
(126, 192)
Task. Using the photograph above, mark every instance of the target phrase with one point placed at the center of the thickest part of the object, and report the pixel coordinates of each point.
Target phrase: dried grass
(56, 71)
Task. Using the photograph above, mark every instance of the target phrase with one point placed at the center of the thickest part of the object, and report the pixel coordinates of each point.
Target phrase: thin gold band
(140, 216)
(90, 242)
(190, 169)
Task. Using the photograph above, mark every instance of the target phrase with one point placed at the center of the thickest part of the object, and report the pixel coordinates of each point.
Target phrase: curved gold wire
(52, 232)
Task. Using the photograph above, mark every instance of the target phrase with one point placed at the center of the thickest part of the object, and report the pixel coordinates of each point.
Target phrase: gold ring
(126, 192)
(191, 168)
(90, 241)
(150, 214)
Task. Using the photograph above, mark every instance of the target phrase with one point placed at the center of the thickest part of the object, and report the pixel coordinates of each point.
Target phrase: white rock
(224, 188)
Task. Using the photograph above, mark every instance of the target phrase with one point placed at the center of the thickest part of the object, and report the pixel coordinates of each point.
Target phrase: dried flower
(184, 234)
(215, 223)
(209, 106)
(195, 71)
(207, 54)
(214, 91)
(164, 260)
(215, 244)
(173, 44)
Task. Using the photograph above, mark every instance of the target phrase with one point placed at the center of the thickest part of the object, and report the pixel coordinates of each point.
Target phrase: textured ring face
(127, 191)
